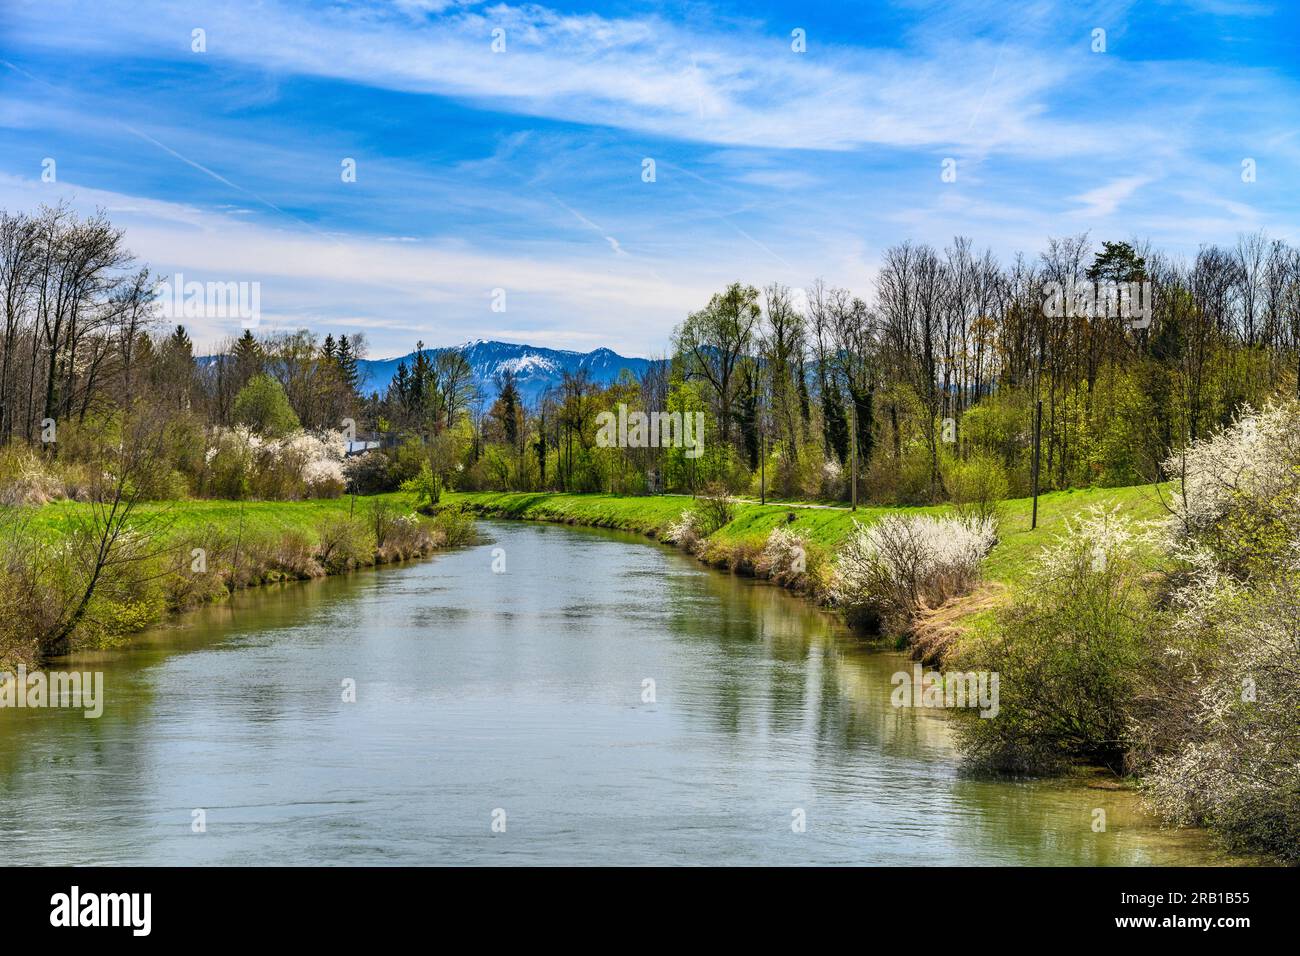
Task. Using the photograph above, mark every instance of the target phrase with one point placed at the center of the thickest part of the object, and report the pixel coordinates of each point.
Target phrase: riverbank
(179, 555)
(527, 690)
(738, 543)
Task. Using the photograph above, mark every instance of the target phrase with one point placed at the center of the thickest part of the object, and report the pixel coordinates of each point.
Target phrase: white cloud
(438, 289)
(741, 88)
(1104, 200)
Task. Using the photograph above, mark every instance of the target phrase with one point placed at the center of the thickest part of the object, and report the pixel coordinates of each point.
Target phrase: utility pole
(853, 449)
(1038, 429)
(762, 448)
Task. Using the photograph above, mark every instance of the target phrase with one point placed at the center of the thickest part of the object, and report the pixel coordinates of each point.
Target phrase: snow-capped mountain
(535, 369)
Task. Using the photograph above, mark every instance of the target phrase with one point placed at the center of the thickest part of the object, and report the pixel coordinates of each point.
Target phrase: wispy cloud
(1104, 200)
(522, 169)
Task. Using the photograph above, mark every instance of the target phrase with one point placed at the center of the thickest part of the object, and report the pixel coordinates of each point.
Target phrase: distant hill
(535, 369)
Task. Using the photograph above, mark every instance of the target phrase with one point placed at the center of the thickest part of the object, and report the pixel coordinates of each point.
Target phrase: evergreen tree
(347, 360)
(249, 358)
(506, 410)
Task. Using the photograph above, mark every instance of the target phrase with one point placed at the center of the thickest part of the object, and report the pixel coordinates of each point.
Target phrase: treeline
(925, 386)
(84, 347)
(930, 384)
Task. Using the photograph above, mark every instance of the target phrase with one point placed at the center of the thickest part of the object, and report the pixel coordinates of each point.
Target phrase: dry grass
(934, 631)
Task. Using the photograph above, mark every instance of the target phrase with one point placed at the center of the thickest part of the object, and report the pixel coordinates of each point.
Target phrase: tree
(263, 406)
(716, 338)
(249, 358)
(347, 359)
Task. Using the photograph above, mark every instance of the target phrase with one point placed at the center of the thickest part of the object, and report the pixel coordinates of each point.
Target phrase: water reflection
(523, 691)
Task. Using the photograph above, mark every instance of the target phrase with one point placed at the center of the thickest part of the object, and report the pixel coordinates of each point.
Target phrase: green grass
(825, 526)
(260, 518)
(1007, 565)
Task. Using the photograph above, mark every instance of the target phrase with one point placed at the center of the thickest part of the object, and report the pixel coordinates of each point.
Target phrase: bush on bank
(1068, 652)
(1191, 681)
(164, 562)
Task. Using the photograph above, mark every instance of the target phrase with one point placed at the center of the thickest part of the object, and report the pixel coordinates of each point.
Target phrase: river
(504, 718)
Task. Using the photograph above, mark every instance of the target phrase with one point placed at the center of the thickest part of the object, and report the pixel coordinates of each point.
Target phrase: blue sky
(522, 170)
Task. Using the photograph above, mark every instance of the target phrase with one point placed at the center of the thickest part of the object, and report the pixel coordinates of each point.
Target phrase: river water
(503, 718)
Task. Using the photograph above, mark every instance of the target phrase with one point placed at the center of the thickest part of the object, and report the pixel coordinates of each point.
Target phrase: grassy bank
(252, 543)
(189, 517)
(57, 593)
(826, 527)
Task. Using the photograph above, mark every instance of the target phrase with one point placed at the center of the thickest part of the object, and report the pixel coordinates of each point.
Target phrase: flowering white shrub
(1093, 541)
(903, 563)
(1240, 492)
(1221, 743)
(683, 531)
(1234, 762)
(320, 457)
(785, 556)
(832, 479)
(301, 465)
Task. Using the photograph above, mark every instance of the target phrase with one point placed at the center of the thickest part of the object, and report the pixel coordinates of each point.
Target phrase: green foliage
(425, 487)
(406, 461)
(1068, 652)
(977, 487)
(453, 526)
(263, 406)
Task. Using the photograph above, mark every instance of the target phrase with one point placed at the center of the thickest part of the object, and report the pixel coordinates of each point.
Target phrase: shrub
(25, 479)
(404, 538)
(228, 464)
(831, 483)
(406, 460)
(683, 532)
(424, 487)
(1068, 652)
(901, 564)
(1231, 755)
(1216, 732)
(380, 516)
(240, 463)
(196, 578)
(1240, 489)
(368, 474)
(342, 544)
(295, 555)
(713, 509)
(977, 487)
(785, 557)
(452, 527)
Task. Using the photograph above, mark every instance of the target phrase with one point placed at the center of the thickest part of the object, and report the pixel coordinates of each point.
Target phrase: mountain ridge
(536, 368)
